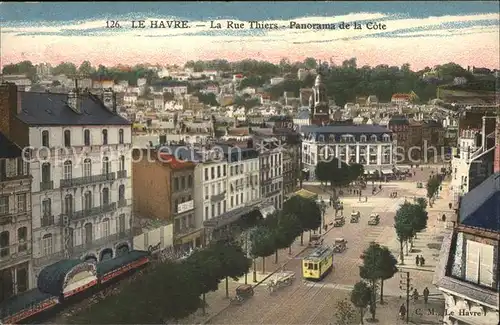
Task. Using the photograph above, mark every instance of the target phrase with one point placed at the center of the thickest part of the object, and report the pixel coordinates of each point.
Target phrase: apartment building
(271, 171)
(164, 189)
(15, 220)
(468, 270)
(80, 161)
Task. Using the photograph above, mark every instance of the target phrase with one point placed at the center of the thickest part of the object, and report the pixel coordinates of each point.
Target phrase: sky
(419, 33)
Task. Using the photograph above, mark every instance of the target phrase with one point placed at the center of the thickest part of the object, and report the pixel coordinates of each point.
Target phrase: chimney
(483, 134)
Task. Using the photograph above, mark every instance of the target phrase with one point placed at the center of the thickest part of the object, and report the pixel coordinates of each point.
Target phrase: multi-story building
(433, 137)
(15, 220)
(472, 161)
(80, 161)
(164, 190)
(468, 271)
(271, 170)
(289, 172)
(400, 127)
(369, 145)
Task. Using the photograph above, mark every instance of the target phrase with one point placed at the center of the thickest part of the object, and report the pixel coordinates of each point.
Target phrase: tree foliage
(24, 67)
(361, 296)
(335, 172)
(263, 242)
(344, 313)
(356, 171)
(306, 211)
(287, 230)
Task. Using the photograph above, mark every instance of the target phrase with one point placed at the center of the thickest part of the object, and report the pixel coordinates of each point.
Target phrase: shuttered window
(479, 263)
(472, 261)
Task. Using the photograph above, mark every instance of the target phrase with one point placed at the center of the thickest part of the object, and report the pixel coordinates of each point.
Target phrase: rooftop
(8, 149)
(347, 129)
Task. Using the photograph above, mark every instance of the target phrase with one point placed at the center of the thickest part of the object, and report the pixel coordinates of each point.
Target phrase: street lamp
(323, 211)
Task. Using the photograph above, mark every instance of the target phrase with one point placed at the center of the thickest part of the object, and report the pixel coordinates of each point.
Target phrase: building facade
(80, 161)
(318, 102)
(164, 190)
(468, 271)
(400, 127)
(369, 145)
(271, 171)
(15, 220)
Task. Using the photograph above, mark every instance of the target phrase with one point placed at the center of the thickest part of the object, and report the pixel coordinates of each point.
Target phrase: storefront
(25, 305)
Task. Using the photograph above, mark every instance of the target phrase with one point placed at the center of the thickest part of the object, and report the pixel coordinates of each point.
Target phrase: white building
(276, 80)
(159, 102)
(15, 221)
(176, 90)
(130, 98)
(369, 145)
(81, 164)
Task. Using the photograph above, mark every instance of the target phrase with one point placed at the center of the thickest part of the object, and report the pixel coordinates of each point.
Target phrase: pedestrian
(325, 227)
(402, 311)
(417, 260)
(443, 218)
(415, 294)
(450, 205)
(426, 295)
(422, 261)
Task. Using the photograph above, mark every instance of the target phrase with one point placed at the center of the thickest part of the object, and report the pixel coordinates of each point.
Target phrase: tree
(422, 202)
(404, 226)
(66, 68)
(288, 228)
(322, 172)
(145, 300)
(86, 68)
(344, 313)
(336, 172)
(24, 67)
(361, 296)
(207, 99)
(306, 211)
(432, 187)
(262, 244)
(389, 268)
(356, 171)
(372, 270)
(310, 63)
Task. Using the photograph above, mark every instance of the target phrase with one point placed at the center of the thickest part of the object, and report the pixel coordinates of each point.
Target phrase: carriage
(282, 279)
(243, 292)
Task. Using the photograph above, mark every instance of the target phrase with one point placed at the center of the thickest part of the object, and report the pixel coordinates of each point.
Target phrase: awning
(386, 171)
(227, 218)
(112, 268)
(267, 210)
(305, 170)
(23, 305)
(189, 237)
(61, 277)
(306, 194)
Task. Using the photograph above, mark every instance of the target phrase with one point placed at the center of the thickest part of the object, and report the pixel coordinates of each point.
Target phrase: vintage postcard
(239, 162)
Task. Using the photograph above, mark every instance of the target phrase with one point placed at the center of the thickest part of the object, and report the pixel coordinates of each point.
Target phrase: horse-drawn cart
(281, 279)
(243, 292)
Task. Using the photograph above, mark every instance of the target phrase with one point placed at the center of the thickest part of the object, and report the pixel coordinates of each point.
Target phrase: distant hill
(473, 97)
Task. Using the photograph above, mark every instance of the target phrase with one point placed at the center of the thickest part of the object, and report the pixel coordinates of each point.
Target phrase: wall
(151, 183)
(148, 240)
(11, 126)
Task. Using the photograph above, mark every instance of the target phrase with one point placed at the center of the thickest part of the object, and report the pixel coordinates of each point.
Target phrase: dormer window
(331, 137)
(321, 138)
(386, 137)
(104, 137)
(67, 138)
(373, 138)
(362, 138)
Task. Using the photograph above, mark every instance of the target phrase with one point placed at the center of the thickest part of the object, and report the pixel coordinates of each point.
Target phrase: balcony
(14, 253)
(110, 240)
(218, 197)
(5, 220)
(123, 203)
(87, 180)
(121, 174)
(74, 216)
(47, 221)
(46, 185)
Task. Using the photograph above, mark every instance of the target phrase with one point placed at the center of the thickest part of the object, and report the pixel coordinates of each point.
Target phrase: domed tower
(321, 113)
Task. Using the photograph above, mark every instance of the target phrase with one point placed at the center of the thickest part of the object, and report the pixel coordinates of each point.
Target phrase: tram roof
(319, 253)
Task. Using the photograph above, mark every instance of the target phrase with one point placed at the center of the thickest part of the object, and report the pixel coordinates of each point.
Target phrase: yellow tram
(318, 264)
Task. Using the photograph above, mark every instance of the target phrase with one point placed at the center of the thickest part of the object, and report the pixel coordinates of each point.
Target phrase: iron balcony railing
(78, 181)
(47, 220)
(121, 174)
(46, 185)
(94, 211)
(122, 203)
(218, 197)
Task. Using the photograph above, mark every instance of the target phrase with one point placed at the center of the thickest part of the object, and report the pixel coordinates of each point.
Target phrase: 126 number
(112, 24)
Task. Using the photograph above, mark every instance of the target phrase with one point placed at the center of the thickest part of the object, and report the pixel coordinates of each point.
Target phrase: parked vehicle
(339, 221)
(340, 245)
(355, 215)
(282, 279)
(315, 241)
(374, 220)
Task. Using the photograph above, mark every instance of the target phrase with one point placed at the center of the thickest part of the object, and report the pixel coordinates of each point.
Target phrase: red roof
(174, 162)
(401, 96)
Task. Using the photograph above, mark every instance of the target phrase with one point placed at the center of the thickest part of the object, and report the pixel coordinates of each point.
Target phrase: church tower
(319, 105)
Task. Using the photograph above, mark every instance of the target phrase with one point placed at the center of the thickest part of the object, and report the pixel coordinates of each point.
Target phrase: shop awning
(112, 268)
(23, 305)
(57, 278)
(386, 171)
(306, 194)
(267, 210)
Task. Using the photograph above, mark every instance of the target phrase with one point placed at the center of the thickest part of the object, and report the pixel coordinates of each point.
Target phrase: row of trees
(338, 173)
(433, 186)
(169, 291)
(410, 219)
(280, 229)
(378, 265)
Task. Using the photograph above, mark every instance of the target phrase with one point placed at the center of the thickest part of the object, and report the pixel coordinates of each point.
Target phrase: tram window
(310, 266)
(315, 267)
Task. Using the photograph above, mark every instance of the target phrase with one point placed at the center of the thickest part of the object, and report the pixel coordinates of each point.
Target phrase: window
(47, 245)
(190, 181)
(218, 171)
(213, 210)
(4, 204)
(479, 263)
(232, 201)
(106, 168)
(22, 279)
(22, 236)
(176, 184)
(87, 167)
(122, 163)
(87, 200)
(224, 206)
(68, 204)
(21, 202)
(212, 172)
(45, 138)
(45, 172)
(105, 137)
(4, 243)
(121, 223)
(206, 192)
(86, 137)
(105, 196)
(121, 192)
(176, 205)
(67, 138)
(224, 170)
(3, 169)
(20, 166)
(89, 231)
(206, 213)
(121, 138)
(183, 183)
(105, 227)
(206, 174)
(46, 208)
(67, 170)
